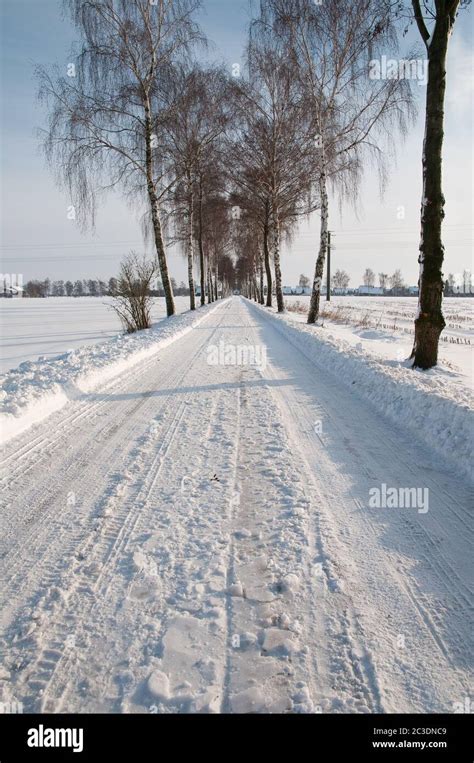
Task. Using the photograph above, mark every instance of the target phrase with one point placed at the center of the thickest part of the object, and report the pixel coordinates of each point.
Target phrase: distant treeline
(89, 288)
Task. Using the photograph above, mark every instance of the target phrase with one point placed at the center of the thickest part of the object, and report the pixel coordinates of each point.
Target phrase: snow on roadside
(34, 390)
(37, 328)
(384, 327)
(426, 403)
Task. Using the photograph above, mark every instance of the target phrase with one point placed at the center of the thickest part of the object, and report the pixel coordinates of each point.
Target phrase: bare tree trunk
(216, 282)
(192, 299)
(209, 284)
(323, 245)
(268, 269)
(155, 214)
(201, 248)
(256, 294)
(430, 320)
(276, 259)
(260, 267)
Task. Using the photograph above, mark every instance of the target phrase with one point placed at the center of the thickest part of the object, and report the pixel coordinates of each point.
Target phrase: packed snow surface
(199, 538)
(35, 389)
(436, 406)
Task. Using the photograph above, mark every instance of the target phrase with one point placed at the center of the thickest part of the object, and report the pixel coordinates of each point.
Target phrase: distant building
(299, 291)
(370, 291)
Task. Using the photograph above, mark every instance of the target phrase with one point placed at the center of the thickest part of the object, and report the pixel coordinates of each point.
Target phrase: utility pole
(328, 270)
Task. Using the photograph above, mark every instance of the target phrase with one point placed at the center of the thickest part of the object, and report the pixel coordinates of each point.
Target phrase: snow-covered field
(192, 533)
(33, 328)
(383, 327)
(34, 390)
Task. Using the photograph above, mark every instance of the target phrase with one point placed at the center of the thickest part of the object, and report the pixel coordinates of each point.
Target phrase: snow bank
(384, 327)
(428, 404)
(34, 390)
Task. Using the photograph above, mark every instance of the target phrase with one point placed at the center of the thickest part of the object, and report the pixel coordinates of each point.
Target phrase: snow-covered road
(197, 537)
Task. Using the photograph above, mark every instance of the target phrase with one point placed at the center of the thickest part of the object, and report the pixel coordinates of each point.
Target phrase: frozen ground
(35, 389)
(33, 328)
(383, 327)
(194, 537)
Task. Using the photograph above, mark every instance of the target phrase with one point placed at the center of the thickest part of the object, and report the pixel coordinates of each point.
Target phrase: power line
(398, 229)
(79, 245)
(81, 258)
(373, 245)
(95, 244)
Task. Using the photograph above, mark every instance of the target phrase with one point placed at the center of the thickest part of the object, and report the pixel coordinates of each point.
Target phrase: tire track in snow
(154, 585)
(335, 620)
(127, 522)
(102, 553)
(51, 574)
(73, 472)
(389, 458)
(268, 667)
(81, 448)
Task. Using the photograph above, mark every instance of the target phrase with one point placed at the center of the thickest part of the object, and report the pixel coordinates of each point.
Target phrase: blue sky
(38, 240)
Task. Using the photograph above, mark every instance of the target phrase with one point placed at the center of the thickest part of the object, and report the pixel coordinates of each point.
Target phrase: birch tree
(217, 238)
(332, 44)
(435, 22)
(250, 208)
(210, 192)
(271, 153)
(107, 112)
(201, 111)
(227, 274)
(369, 277)
(340, 279)
(246, 245)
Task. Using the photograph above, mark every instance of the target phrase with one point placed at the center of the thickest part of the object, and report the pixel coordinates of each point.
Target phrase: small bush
(132, 299)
